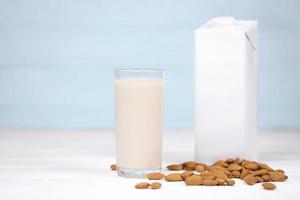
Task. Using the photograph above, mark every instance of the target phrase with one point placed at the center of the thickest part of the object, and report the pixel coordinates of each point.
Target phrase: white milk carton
(226, 89)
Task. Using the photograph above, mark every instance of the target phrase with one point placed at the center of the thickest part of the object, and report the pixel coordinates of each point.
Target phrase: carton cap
(221, 22)
(231, 24)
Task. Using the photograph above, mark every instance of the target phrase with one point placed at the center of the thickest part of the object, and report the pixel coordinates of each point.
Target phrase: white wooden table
(73, 165)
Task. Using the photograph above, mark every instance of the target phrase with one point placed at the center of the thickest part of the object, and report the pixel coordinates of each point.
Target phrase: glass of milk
(139, 95)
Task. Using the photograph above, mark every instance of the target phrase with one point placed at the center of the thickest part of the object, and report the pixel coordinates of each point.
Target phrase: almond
(189, 165)
(279, 170)
(230, 181)
(244, 173)
(220, 174)
(220, 181)
(155, 176)
(203, 164)
(142, 185)
(236, 174)
(207, 175)
(238, 161)
(209, 182)
(234, 167)
(230, 160)
(193, 180)
(173, 177)
(264, 166)
(259, 179)
(175, 167)
(269, 186)
(245, 162)
(113, 167)
(200, 168)
(216, 168)
(278, 176)
(226, 172)
(260, 172)
(222, 163)
(250, 179)
(155, 185)
(186, 174)
(266, 178)
(252, 166)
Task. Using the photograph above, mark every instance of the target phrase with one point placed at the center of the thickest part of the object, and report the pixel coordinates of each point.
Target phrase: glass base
(135, 173)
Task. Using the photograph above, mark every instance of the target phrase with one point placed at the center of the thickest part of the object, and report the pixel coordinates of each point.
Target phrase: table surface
(75, 165)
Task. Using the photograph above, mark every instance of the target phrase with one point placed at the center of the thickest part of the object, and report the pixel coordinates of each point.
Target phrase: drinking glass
(139, 95)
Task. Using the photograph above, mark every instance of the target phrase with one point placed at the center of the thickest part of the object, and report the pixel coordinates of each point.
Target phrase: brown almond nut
(206, 173)
(264, 166)
(203, 164)
(220, 174)
(200, 168)
(245, 162)
(216, 168)
(244, 173)
(209, 182)
(230, 181)
(213, 170)
(216, 163)
(234, 167)
(186, 174)
(155, 176)
(280, 170)
(269, 186)
(229, 160)
(209, 177)
(142, 185)
(175, 167)
(220, 181)
(259, 179)
(266, 178)
(250, 179)
(236, 174)
(222, 163)
(193, 180)
(173, 177)
(238, 161)
(278, 176)
(113, 167)
(260, 172)
(227, 172)
(242, 160)
(189, 165)
(252, 166)
(155, 185)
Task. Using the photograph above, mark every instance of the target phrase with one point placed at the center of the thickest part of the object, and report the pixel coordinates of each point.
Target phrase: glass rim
(154, 70)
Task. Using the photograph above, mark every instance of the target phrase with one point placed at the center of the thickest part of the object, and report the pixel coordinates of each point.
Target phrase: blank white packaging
(226, 89)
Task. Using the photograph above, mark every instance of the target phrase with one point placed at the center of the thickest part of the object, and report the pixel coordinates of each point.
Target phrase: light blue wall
(57, 57)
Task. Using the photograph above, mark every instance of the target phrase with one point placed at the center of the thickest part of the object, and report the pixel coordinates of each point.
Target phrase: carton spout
(231, 24)
(221, 22)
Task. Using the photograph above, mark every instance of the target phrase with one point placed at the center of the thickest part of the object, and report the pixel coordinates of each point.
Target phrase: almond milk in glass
(139, 97)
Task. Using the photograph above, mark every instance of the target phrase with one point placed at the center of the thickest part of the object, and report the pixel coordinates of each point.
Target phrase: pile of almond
(220, 173)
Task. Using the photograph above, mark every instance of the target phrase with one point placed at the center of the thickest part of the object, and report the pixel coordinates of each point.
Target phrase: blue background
(57, 57)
